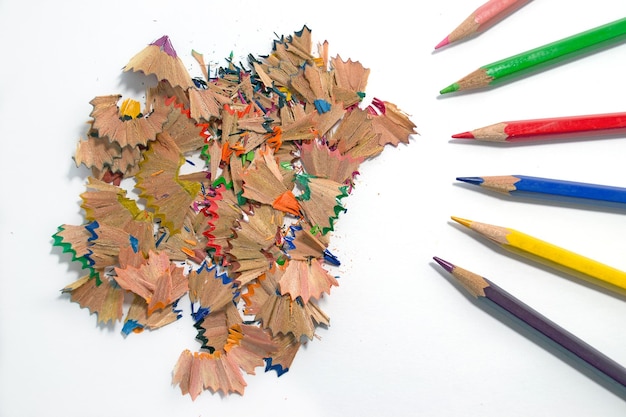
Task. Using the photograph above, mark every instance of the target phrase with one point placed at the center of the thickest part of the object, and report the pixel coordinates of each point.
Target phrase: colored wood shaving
(245, 237)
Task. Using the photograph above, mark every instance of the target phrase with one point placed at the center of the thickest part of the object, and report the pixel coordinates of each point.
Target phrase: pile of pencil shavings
(246, 236)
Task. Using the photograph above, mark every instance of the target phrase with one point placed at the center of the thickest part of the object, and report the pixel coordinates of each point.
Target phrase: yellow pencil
(551, 255)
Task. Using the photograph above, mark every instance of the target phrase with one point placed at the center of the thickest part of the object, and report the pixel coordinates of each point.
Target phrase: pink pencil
(485, 15)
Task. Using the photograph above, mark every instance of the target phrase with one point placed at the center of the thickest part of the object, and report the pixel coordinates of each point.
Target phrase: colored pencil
(548, 128)
(522, 184)
(538, 58)
(551, 255)
(487, 291)
(483, 17)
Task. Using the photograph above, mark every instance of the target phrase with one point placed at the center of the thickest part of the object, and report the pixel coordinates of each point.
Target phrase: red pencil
(550, 128)
(481, 18)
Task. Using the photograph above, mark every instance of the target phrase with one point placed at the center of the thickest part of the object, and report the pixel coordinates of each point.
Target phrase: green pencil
(543, 56)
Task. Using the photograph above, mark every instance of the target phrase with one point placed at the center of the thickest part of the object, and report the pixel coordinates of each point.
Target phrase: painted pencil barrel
(601, 123)
(555, 332)
(493, 8)
(563, 188)
(571, 189)
(525, 244)
(558, 51)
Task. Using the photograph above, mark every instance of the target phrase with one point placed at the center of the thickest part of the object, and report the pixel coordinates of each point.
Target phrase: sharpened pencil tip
(444, 264)
(442, 43)
(464, 135)
(450, 89)
(464, 222)
(471, 180)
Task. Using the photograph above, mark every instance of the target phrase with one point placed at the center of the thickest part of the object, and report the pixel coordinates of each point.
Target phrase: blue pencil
(513, 184)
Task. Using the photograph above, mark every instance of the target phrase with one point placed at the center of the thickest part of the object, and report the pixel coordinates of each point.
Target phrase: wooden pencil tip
(444, 264)
(464, 222)
(471, 180)
(443, 43)
(450, 89)
(464, 135)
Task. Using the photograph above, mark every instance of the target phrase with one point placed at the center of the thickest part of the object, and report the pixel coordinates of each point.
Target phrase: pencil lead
(450, 89)
(464, 135)
(464, 222)
(471, 180)
(444, 264)
(443, 43)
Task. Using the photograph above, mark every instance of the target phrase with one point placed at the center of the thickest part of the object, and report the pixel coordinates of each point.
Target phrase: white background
(404, 340)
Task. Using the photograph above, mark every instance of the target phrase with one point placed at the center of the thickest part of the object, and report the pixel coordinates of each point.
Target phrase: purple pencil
(482, 288)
